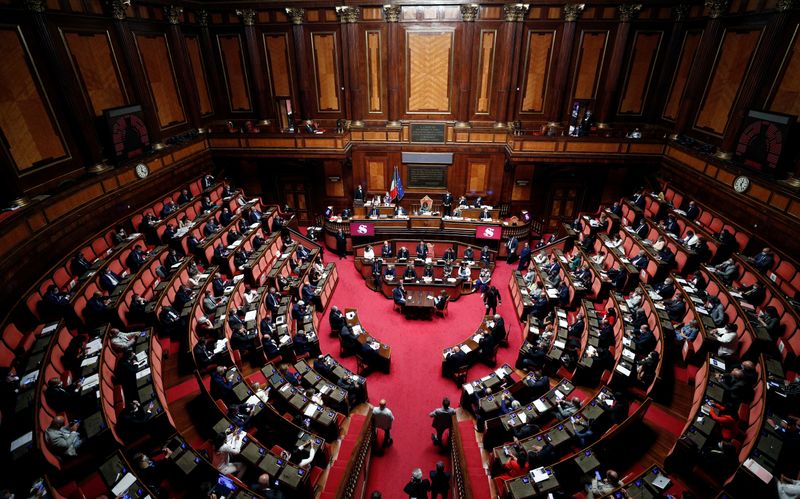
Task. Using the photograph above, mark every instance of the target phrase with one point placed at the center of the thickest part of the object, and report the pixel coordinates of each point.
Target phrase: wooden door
(294, 193)
(563, 205)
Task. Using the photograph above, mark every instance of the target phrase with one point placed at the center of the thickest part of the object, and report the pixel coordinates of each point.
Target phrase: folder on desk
(540, 405)
(250, 315)
(539, 475)
(124, 484)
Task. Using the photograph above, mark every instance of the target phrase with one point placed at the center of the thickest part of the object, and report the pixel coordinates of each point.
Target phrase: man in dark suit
(109, 280)
(348, 340)
(498, 329)
(616, 209)
(640, 261)
(309, 294)
(97, 308)
(422, 250)
(399, 295)
(666, 256)
(665, 289)
(449, 255)
(753, 294)
(638, 200)
(764, 261)
(402, 253)
(676, 308)
(221, 386)
(642, 230)
(644, 341)
(485, 215)
(79, 265)
(478, 202)
(511, 246)
(358, 195)
(136, 258)
(390, 271)
(538, 383)
(183, 296)
(447, 204)
(336, 319)
(692, 211)
(185, 196)
(299, 310)
(524, 257)
(454, 359)
(440, 481)
(410, 273)
(386, 250)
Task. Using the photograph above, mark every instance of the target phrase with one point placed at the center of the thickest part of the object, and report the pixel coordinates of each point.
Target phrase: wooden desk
(419, 304)
(424, 222)
(383, 355)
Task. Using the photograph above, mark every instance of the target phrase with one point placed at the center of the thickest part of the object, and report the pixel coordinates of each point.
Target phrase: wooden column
(468, 15)
(79, 117)
(138, 78)
(391, 14)
(216, 87)
(255, 59)
(618, 57)
(701, 66)
(513, 14)
(758, 76)
(673, 55)
(180, 55)
(556, 103)
(296, 15)
(352, 90)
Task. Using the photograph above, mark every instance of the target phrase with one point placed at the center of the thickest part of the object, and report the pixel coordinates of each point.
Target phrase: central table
(419, 304)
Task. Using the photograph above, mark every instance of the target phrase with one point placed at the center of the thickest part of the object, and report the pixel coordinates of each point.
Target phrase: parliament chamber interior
(316, 249)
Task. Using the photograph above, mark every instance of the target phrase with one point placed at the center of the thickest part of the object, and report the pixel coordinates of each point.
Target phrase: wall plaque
(428, 133)
(427, 177)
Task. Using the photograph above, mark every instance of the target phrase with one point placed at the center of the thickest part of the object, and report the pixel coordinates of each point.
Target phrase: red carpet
(415, 385)
(658, 417)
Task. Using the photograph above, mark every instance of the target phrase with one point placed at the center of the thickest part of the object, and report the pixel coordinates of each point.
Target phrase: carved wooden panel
(690, 43)
(589, 66)
(537, 70)
(157, 61)
(374, 71)
(95, 65)
(326, 71)
(730, 69)
(334, 169)
(523, 183)
(429, 59)
(199, 71)
(280, 74)
(234, 72)
(477, 171)
(376, 174)
(30, 130)
(646, 45)
(785, 93)
(485, 70)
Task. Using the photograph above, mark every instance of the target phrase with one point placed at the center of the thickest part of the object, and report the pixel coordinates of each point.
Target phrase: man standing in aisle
(383, 420)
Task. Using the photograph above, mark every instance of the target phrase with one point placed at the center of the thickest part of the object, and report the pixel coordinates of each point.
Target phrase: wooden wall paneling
(666, 66)
(639, 74)
(699, 74)
(31, 131)
(538, 56)
(487, 48)
(429, 71)
(784, 92)
(729, 71)
(509, 109)
(182, 65)
(94, 63)
(156, 59)
(608, 99)
(333, 168)
(198, 69)
(303, 105)
(260, 90)
(234, 72)
(464, 62)
(505, 74)
(138, 79)
(523, 185)
(395, 60)
(375, 61)
(212, 60)
(477, 175)
(279, 64)
(680, 75)
(589, 61)
(557, 105)
(759, 75)
(377, 173)
(327, 78)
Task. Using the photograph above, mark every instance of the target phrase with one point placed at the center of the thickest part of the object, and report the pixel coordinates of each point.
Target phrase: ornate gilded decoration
(248, 16)
(348, 14)
(679, 12)
(118, 9)
(391, 13)
(469, 12)
(716, 8)
(296, 14)
(173, 13)
(515, 12)
(35, 5)
(202, 17)
(629, 11)
(572, 11)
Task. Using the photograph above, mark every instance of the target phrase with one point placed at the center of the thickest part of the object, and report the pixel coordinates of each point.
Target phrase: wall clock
(741, 183)
(142, 171)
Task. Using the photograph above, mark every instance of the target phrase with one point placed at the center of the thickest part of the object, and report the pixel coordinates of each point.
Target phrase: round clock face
(142, 170)
(741, 184)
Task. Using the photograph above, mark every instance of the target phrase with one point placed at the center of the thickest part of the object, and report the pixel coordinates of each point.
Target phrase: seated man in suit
(469, 255)
(309, 294)
(375, 212)
(676, 308)
(410, 273)
(348, 340)
(303, 344)
(667, 256)
(422, 250)
(299, 310)
(244, 340)
(753, 294)
(97, 308)
(453, 360)
(390, 271)
(640, 261)
(449, 254)
(204, 353)
(485, 215)
(63, 440)
(386, 250)
(577, 327)
(221, 386)
(764, 261)
(441, 301)
(726, 270)
(61, 397)
(272, 301)
(666, 289)
(136, 258)
(538, 383)
(692, 211)
(643, 340)
(402, 253)
(79, 265)
(399, 211)
(399, 295)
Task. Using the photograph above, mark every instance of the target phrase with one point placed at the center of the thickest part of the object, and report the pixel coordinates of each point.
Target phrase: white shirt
(369, 254)
(383, 418)
(727, 341)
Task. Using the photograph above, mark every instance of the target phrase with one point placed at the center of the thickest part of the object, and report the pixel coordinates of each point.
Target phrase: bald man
(383, 419)
(63, 440)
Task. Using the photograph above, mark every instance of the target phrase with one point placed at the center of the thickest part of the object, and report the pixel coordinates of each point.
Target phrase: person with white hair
(418, 487)
(383, 420)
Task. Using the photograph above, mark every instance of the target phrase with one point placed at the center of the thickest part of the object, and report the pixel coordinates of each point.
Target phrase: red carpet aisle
(415, 385)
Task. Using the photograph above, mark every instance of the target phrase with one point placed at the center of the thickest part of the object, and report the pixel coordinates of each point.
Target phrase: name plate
(428, 133)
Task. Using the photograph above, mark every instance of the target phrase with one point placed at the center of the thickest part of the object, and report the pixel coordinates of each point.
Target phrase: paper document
(250, 315)
(124, 484)
(89, 361)
(23, 440)
(310, 408)
(144, 372)
(540, 406)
